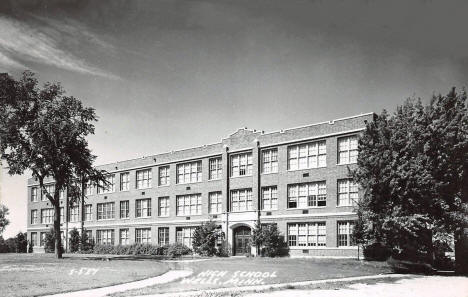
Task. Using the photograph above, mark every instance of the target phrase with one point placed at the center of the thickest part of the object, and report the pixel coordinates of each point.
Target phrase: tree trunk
(461, 251)
(58, 238)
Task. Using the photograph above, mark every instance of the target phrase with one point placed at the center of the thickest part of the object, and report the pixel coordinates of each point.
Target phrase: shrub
(133, 249)
(74, 240)
(49, 242)
(3, 246)
(177, 250)
(376, 252)
(86, 244)
(21, 242)
(205, 237)
(223, 250)
(269, 240)
(30, 247)
(407, 266)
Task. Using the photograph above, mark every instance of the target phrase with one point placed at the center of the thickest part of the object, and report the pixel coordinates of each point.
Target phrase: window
(307, 155)
(163, 236)
(74, 212)
(48, 189)
(164, 176)
(163, 206)
(125, 181)
(307, 195)
(270, 198)
(347, 192)
(105, 211)
(216, 168)
(307, 234)
(109, 188)
(62, 215)
(184, 235)
(270, 161)
(47, 216)
(143, 235)
(241, 164)
(62, 194)
(89, 188)
(34, 238)
(345, 234)
(42, 239)
(143, 178)
(189, 205)
(215, 202)
(143, 208)
(241, 200)
(89, 236)
(189, 172)
(124, 209)
(34, 197)
(88, 212)
(34, 218)
(105, 236)
(124, 236)
(347, 149)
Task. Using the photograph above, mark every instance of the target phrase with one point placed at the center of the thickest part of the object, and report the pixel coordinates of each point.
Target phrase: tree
(44, 131)
(413, 168)
(74, 240)
(205, 237)
(269, 240)
(3, 220)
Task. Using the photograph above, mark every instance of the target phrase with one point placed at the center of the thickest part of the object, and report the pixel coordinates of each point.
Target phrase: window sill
(164, 186)
(143, 188)
(240, 176)
(189, 215)
(147, 217)
(125, 190)
(293, 170)
(215, 179)
(268, 173)
(189, 183)
(311, 207)
(340, 164)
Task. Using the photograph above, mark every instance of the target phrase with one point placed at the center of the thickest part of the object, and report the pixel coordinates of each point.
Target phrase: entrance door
(242, 241)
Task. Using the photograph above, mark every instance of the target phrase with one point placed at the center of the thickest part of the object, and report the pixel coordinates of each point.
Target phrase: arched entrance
(241, 240)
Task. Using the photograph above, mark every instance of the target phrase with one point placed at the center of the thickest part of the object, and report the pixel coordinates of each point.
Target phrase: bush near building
(205, 238)
(74, 240)
(269, 241)
(49, 242)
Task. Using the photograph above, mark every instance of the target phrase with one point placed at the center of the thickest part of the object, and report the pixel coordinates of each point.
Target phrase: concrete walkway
(427, 286)
(167, 277)
(278, 286)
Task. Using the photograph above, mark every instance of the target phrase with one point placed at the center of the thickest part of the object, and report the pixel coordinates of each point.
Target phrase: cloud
(22, 42)
(8, 63)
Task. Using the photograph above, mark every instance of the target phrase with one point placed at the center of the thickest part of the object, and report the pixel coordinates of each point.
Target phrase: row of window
(304, 195)
(301, 156)
(298, 234)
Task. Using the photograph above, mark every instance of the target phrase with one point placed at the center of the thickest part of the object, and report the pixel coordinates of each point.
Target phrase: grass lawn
(233, 272)
(40, 274)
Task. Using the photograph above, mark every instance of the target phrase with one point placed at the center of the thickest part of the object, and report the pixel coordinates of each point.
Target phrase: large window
(42, 239)
(49, 189)
(347, 149)
(47, 216)
(164, 175)
(143, 178)
(345, 234)
(62, 194)
(216, 168)
(125, 181)
(107, 188)
(124, 209)
(347, 192)
(270, 198)
(143, 235)
(307, 234)
(241, 200)
(189, 205)
(241, 164)
(124, 239)
(143, 208)
(88, 212)
(34, 218)
(105, 236)
(74, 213)
(184, 235)
(270, 161)
(163, 206)
(215, 202)
(34, 197)
(34, 238)
(105, 211)
(307, 155)
(307, 195)
(189, 172)
(163, 236)
(62, 215)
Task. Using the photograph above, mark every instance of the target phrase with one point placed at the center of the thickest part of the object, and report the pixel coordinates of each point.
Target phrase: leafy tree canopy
(3, 220)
